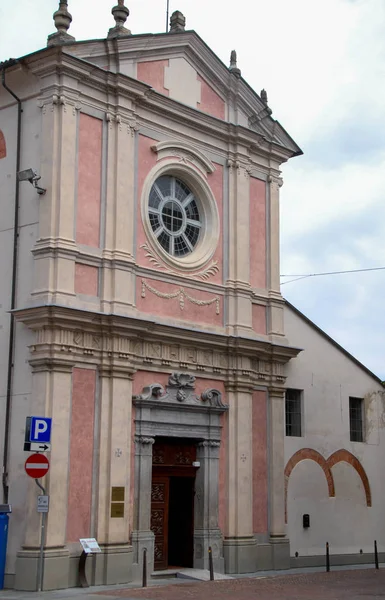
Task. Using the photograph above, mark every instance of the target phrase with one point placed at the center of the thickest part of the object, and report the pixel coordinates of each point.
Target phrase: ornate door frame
(178, 412)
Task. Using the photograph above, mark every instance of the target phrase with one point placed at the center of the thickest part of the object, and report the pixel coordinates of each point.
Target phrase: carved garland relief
(181, 294)
(204, 274)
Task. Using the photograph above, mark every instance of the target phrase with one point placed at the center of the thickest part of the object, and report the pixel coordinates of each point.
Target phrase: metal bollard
(144, 578)
(211, 565)
(327, 558)
(376, 554)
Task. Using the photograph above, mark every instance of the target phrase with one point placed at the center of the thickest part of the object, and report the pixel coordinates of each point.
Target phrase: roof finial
(233, 64)
(177, 22)
(264, 96)
(62, 20)
(120, 14)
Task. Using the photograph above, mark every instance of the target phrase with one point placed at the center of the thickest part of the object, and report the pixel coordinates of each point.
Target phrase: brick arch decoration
(326, 465)
(3, 147)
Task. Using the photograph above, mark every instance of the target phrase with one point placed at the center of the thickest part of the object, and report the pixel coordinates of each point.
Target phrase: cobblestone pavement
(339, 585)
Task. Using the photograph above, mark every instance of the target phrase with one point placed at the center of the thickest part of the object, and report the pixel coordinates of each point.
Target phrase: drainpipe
(11, 345)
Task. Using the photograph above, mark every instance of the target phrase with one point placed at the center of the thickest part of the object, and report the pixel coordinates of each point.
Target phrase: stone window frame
(210, 230)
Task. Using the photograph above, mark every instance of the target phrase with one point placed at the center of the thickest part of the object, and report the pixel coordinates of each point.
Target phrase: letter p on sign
(40, 429)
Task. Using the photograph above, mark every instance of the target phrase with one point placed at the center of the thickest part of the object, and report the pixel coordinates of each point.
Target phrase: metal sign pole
(40, 570)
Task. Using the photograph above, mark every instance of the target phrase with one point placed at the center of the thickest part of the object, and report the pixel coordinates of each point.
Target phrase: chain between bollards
(376, 554)
(211, 566)
(144, 578)
(327, 558)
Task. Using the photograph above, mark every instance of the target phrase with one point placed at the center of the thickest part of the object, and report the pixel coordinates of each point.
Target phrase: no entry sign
(36, 466)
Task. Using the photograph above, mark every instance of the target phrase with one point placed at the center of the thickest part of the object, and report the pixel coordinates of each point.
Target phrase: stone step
(200, 575)
(166, 574)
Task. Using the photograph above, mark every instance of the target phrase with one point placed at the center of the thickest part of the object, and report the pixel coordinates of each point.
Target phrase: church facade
(147, 317)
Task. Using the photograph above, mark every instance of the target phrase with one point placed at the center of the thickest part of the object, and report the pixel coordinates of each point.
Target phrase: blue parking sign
(40, 429)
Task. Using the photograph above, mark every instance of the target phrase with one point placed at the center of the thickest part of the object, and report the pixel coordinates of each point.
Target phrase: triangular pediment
(182, 67)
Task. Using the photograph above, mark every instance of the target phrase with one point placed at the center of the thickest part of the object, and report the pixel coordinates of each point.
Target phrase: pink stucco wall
(145, 378)
(89, 180)
(81, 454)
(211, 102)
(86, 279)
(190, 312)
(152, 72)
(260, 491)
(257, 233)
(259, 318)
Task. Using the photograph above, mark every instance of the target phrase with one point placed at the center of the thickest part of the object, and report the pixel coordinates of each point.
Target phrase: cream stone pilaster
(142, 536)
(54, 265)
(239, 302)
(206, 528)
(239, 543)
(119, 288)
(51, 397)
(275, 321)
(114, 452)
(112, 532)
(278, 540)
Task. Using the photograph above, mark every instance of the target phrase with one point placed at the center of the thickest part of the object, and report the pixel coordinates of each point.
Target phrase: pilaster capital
(234, 385)
(114, 371)
(209, 444)
(144, 440)
(275, 181)
(277, 392)
(48, 364)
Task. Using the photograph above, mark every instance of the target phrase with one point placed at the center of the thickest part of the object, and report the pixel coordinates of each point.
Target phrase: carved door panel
(159, 519)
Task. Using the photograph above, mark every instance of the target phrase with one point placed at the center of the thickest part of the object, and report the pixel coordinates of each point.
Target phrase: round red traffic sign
(36, 466)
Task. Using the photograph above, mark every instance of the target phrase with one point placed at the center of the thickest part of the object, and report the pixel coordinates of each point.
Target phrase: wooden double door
(172, 503)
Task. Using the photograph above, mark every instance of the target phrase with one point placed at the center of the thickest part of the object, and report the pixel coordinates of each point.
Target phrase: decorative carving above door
(180, 390)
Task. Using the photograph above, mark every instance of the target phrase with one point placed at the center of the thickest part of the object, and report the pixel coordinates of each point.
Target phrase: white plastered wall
(328, 377)
(28, 231)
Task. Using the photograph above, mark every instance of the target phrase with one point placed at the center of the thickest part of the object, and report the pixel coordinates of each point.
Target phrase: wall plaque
(117, 510)
(117, 494)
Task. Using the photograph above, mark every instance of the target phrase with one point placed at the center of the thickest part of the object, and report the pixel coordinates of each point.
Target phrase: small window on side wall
(293, 412)
(356, 410)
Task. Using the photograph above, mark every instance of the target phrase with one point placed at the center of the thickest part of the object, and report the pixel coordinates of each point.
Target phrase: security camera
(31, 176)
(27, 175)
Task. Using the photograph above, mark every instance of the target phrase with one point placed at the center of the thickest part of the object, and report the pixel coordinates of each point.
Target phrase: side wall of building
(337, 482)
(27, 235)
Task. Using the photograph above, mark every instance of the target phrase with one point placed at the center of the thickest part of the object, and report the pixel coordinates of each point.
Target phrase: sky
(322, 63)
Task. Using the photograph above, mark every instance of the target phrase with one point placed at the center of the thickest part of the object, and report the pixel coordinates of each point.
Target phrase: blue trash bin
(5, 509)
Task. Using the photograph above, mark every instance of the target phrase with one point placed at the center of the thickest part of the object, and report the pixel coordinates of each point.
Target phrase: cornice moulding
(99, 324)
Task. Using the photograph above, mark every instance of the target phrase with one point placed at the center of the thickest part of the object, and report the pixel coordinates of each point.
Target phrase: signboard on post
(42, 504)
(36, 466)
(90, 545)
(40, 430)
(37, 434)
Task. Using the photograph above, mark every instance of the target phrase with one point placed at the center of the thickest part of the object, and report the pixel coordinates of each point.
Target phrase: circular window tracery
(174, 216)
